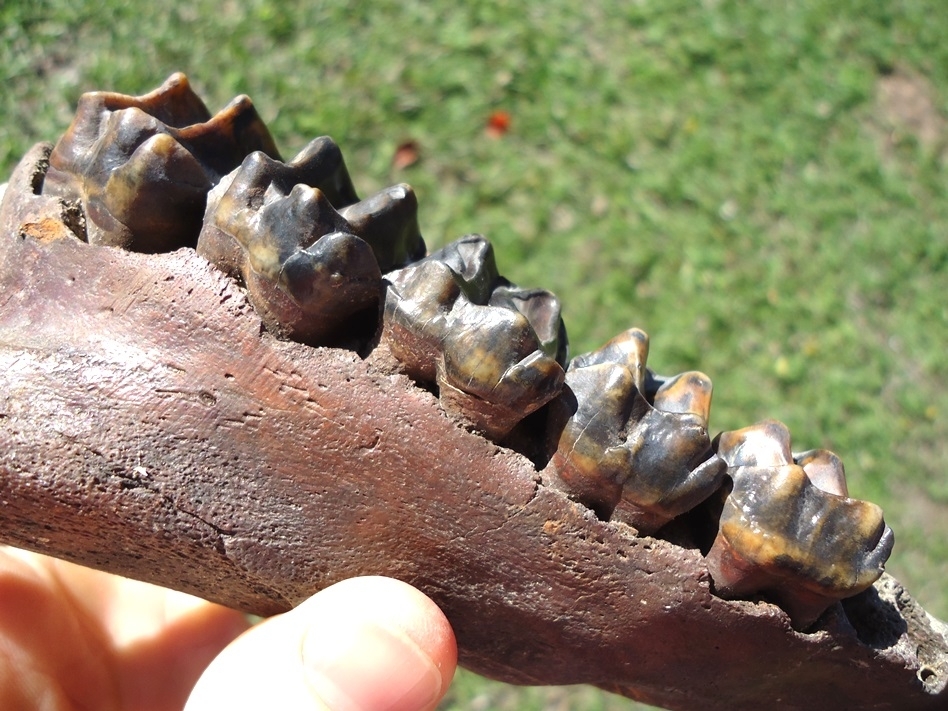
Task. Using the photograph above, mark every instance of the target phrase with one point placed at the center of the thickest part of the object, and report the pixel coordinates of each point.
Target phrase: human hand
(72, 638)
(364, 644)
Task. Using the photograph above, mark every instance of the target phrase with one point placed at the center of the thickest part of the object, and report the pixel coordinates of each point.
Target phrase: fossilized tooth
(542, 310)
(491, 347)
(824, 469)
(788, 532)
(242, 193)
(305, 271)
(141, 167)
(627, 458)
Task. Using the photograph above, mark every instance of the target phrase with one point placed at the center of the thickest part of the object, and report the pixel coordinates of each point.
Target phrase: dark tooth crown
(308, 268)
(626, 458)
(787, 532)
(141, 167)
(491, 347)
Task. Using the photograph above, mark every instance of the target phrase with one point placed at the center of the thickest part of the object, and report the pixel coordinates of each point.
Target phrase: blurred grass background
(760, 186)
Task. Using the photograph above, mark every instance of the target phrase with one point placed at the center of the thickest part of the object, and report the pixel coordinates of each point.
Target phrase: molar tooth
(388, 221)
(623, 457)
(141, 167)
(492, 370)
(629, 348)
(783, 536)
(590, 423)
(471, 259)
(542, 310)
(308, 269)
(418, 303)
(491, 347)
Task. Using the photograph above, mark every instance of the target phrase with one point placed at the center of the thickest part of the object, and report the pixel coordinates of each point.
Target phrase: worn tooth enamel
(589, 423)
(629, 348)
(141, 167)
(766, 444)
(418, 302)
(490, 347)
(492, 369)
(542, 311)
(686, 394)
(388, 221)
(623, 457)
(308, 269)
(824, 469)
(262, 180)
(786, 537)
(320, 164)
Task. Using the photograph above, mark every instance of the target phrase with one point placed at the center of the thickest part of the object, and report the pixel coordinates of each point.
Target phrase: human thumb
(365, 644)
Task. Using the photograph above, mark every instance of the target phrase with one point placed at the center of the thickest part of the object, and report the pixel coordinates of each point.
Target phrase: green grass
(734, 177)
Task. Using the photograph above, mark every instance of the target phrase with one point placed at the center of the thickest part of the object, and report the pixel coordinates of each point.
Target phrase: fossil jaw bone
(494, 350)
(307, 266)
(625, 442)
(141, 167)
(788, 531)
(627, 458)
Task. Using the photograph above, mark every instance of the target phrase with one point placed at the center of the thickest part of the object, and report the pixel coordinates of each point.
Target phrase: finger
(106, 637)
(47, 658)
(364, 644)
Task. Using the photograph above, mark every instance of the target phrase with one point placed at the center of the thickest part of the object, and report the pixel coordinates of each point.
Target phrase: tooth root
(783, 536)
(688, 393)
(825, 470)
(764, 444)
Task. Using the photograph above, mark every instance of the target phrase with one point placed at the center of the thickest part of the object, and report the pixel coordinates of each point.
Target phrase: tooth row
(157, 172)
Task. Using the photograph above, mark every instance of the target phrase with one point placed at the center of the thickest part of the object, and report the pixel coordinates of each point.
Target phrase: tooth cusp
(786, 533)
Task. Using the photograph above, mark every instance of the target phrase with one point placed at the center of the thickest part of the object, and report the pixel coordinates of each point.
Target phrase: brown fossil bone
(141, 167)
(308, 267)
(494, 350)
(788, 530)
(630, 445)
